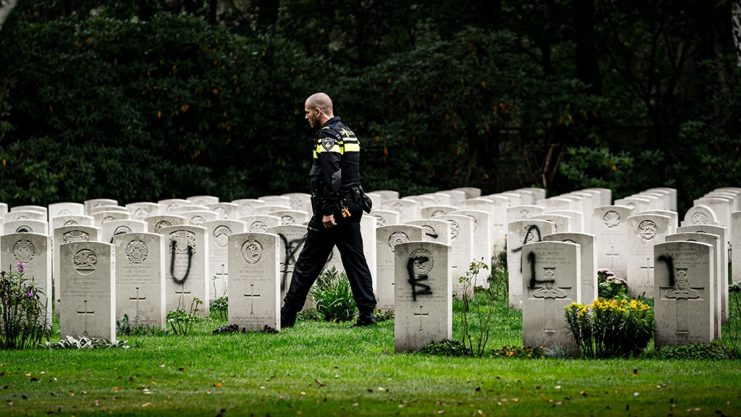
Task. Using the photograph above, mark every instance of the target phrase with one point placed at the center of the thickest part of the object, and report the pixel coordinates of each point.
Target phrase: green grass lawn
(320, 369)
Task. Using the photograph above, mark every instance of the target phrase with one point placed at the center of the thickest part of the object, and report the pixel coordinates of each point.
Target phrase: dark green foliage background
(141, 101)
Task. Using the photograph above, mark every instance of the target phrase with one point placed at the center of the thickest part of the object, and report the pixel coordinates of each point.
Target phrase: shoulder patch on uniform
(327, 143)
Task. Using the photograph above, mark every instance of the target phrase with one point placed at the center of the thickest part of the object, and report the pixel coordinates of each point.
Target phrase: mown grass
(324, 369)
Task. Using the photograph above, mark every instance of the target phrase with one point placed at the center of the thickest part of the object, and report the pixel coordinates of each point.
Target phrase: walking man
(336, 200)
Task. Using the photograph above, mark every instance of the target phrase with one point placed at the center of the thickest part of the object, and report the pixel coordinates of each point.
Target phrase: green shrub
(519, 352)
(22, 315)
(715, 350)
(444, 348)
(219, 308)
(333, 296)
(479, 311)
(610, 328)
(181, 321)
(611, 287)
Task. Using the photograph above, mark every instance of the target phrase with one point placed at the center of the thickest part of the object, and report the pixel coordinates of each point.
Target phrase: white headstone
(155, 223)
(140, 211)
(82, 220)
(19, 215)
(422, 295)
(610, 229)
(387, 237)
(203, 200)
(561, 223)
(683, 306)
(700, 215)
(434, 230)
(520, 233)
(387, 194)
(299, 201)
(121, 227)
(588, 253)
(186, 267)
(291, 241)
(576, 220)
(140, 278)
(644, 231)
(102, 217)
(247, 205)
(225, 211)
(96, 202)
(168, 206)
(66, 209)
(198, 217)
(386, 217)
(497, 208)
(254, 283)
(671, 214)
(88, 290)
(714, 241)
(515, 213)
(218, 257)
(408, 209)
(551, 280)
(26, 226)
(291, 216)
(276, 200)
(461, 248)
(69, 234)
(482, 247)
(430, 212)
(471, 192)
(34, 251)
(259, 223)
(722, 233)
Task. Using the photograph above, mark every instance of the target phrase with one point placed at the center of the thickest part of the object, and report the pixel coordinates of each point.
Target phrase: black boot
(287, 318)
(365, 319)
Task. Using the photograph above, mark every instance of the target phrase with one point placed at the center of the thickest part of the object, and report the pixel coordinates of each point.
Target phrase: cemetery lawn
(321, 369)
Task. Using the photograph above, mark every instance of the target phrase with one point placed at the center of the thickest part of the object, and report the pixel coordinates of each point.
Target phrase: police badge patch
(327, 143)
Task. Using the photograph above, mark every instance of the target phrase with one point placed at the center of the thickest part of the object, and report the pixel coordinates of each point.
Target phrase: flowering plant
(22, 314)
(610, 328)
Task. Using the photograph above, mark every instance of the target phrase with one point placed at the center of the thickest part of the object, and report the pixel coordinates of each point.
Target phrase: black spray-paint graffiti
(531, 258)
(669, 261)
(530, 229)
(173, 249)
(291, 252)
(417, 287)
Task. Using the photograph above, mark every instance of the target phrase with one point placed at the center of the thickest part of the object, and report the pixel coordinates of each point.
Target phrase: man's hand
(328, 221)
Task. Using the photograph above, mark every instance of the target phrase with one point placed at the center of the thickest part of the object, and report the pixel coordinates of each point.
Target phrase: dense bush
(610, 328)
(333, 296)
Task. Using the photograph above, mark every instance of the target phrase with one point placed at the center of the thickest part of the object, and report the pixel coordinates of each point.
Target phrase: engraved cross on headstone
(682, 292)
(612, 256)
(136, 300)
(549, 292)
(420, 315)
(181, 293)
(648, 268)
(85, 313)
(221, 274)
(252, 296)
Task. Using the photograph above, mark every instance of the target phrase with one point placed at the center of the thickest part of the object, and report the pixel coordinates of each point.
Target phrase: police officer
(337, 205)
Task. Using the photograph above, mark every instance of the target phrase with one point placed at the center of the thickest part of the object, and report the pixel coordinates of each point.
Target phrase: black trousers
(317, 248)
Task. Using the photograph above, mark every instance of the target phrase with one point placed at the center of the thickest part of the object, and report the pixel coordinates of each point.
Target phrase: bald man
(337, 204)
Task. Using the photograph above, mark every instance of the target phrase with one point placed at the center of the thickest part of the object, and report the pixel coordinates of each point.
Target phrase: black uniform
(335, 179)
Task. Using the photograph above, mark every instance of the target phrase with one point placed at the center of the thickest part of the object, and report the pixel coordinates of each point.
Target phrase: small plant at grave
(219, 308)
(525, 352)
(444, 348)
(87, 343)
(715, 351)
(477, 311)
(124, 328)
(180, 321)
(310, 314)
(610, 328)
(22, 315)
(384, 315)
(610, 286)
(333, 297)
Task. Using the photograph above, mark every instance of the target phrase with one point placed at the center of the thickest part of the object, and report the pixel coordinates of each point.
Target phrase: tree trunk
(6, 6)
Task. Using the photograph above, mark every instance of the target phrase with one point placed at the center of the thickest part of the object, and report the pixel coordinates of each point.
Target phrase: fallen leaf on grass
(318, 382)
(146, 404)
(218, 385)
